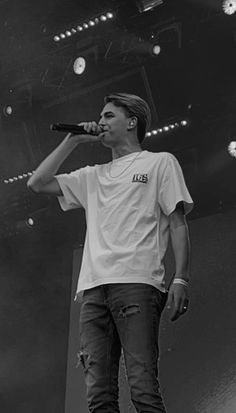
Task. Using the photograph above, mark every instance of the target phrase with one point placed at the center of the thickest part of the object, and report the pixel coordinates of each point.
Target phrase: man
(132, 204)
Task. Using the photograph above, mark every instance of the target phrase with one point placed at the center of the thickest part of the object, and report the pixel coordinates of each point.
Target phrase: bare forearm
(49, 166)
(181, 248)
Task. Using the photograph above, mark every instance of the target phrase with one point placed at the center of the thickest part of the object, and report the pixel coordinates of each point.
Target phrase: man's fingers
(169, 300)
(176, 306)
(90, 127)
(175, 315)
(179, 309)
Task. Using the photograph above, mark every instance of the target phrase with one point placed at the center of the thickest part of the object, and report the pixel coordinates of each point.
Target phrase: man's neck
(119, 152)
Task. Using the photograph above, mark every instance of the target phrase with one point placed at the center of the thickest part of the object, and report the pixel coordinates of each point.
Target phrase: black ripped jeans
(114, 316)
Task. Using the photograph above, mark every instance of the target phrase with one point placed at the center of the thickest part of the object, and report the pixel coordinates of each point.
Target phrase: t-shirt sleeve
(173, 188)
(74, 189)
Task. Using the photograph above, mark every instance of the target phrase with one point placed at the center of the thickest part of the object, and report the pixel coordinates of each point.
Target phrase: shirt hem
(157, 284)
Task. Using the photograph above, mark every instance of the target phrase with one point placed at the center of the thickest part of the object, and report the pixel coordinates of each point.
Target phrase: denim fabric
(114, 316)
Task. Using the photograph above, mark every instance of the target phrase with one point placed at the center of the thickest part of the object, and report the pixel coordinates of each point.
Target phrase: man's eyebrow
(106, 113)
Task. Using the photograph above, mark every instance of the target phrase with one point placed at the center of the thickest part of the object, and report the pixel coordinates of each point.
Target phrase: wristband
(180, 281)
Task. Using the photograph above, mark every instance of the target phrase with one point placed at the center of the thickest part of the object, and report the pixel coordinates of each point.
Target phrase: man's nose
(101, 122)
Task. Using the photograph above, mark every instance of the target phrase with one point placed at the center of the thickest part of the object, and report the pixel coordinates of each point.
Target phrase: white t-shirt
(127, 203)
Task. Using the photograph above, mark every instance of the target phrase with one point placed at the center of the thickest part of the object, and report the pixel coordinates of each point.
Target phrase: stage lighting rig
(105, 17)
(17, 178)
(169, 128)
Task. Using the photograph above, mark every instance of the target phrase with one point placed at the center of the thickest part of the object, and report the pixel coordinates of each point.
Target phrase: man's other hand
(177, 301)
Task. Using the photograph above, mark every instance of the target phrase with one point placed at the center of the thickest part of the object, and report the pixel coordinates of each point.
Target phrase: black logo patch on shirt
(140, 178)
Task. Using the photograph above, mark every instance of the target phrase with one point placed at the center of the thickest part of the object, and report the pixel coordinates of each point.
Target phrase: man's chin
(104, 141)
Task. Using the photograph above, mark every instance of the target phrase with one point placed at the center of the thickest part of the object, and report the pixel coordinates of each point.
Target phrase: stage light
(68, 33)
(146, 5)
(56, 38)
(110, 15)
(30, 222)
(85, 25)
(91, 23)
(80, 28)
(62, 36)
(229, 6)
(232, 148)
(184, 123)
(8, 110)
(79, 65)
(156, 49)
(103, 18)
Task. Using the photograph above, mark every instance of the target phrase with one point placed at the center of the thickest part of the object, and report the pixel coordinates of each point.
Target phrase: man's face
(114, 122)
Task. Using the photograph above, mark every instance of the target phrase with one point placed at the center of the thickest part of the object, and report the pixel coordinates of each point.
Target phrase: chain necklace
(134, 159)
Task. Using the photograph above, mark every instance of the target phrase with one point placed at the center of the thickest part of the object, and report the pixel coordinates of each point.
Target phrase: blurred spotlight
(156, 49)
(229, 6)
(232, 148)
(37, 220)
(103, 18)
(7, 110)
(79, 65)
(30, 222)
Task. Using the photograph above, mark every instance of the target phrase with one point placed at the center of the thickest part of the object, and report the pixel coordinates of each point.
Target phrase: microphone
(75, 129)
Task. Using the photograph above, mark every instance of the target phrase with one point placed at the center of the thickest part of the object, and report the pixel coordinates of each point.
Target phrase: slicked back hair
(133, 106)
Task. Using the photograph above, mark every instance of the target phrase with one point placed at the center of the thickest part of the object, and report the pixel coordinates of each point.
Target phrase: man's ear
(132, 123)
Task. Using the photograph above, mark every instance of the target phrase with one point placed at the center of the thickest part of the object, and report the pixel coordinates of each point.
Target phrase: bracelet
(180, 281)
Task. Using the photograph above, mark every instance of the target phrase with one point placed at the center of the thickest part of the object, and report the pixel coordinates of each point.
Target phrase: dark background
(193, 78)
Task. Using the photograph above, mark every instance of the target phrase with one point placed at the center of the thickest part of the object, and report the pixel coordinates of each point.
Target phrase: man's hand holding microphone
(81, 133)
